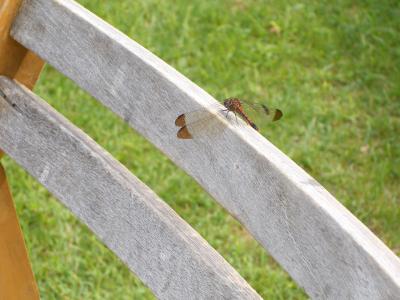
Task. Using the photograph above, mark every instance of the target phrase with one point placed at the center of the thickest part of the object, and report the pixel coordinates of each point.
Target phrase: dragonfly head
(227, 103)
(233, 104)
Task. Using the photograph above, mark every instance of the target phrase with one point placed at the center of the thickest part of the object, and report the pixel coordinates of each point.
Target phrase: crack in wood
(8, 100)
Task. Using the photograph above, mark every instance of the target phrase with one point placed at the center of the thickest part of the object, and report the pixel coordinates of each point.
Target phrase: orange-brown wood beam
(15, 60)
(16, 277)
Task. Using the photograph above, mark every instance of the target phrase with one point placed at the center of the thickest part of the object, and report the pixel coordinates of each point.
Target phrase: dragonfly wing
(277, 114)
(199, 123)
(196, 115)
(271, 114)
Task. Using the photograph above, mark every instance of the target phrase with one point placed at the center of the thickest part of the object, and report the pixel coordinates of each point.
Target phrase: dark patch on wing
(184, 133)
(278, 115)
(180, 120)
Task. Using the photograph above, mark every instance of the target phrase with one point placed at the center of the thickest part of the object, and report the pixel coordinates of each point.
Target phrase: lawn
(333, 67)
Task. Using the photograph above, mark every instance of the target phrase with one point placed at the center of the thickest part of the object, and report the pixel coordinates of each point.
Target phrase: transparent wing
(203, 122)
(197, 115)
(200, 123)
(267, 113)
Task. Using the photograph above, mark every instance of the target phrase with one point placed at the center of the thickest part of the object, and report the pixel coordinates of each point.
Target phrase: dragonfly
(204, 121)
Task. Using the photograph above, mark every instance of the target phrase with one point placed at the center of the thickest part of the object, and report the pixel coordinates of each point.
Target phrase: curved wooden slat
(317, 240)
(144, 232)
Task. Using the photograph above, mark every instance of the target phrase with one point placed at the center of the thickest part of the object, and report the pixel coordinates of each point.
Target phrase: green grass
(334, 69)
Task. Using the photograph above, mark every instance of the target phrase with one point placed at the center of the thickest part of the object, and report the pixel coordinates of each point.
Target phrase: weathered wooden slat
(318, 241)
(145, 233)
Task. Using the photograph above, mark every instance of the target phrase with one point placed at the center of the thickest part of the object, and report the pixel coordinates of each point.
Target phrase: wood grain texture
(318, 241)
(16, 277)
(146, 234)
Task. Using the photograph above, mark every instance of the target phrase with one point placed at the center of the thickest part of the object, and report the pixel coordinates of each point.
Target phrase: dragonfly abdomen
(248, 121)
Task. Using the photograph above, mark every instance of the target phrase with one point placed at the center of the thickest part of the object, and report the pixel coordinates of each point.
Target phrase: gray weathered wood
(318, 241)
(162, 249)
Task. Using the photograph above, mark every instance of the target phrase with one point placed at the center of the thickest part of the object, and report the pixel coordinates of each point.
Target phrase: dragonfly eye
(228, 103)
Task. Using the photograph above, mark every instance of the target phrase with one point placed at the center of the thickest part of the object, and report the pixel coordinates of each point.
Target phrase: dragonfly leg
(227, 113)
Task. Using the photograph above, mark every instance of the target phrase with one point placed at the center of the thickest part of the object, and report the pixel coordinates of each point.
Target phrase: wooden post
(16, 277)
(15, 60)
